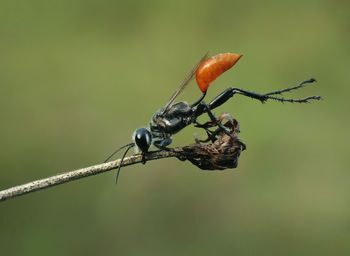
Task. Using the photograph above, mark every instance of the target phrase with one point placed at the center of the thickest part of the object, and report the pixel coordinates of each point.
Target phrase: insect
(174, 117)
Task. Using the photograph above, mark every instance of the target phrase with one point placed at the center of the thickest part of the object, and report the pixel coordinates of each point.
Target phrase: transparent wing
(185, 82)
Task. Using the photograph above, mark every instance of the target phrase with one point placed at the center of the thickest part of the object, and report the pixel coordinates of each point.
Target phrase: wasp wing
(182, 86)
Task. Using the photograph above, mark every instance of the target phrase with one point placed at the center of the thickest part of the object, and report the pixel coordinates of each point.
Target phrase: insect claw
(309, 81)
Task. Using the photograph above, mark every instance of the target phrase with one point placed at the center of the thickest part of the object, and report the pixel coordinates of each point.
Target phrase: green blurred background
(77, 77)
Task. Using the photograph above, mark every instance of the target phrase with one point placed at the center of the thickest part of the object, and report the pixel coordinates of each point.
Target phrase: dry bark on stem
(81, 173)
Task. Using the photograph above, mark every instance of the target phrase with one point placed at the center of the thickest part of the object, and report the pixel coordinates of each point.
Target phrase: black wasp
(173, 117)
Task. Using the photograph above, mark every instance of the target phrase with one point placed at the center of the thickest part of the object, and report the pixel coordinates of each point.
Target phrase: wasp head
(143, 139)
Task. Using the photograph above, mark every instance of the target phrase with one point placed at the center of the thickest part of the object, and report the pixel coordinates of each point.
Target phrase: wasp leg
(302, 84)
(211, 137)
(230, 126)
(204, 108)
(205, 126)
(162, 143)
(228, 93)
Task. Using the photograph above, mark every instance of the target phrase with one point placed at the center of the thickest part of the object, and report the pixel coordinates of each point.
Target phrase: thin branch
(81, 173)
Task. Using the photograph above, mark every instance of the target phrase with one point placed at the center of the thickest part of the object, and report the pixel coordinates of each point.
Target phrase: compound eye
(143, 139)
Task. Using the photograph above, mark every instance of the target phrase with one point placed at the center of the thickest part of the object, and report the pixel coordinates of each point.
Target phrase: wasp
(175, 116)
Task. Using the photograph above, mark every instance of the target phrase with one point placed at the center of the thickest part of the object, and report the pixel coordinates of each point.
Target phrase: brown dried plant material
(221, 153)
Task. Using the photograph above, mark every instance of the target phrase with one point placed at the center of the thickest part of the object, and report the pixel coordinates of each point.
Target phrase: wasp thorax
(143, 139)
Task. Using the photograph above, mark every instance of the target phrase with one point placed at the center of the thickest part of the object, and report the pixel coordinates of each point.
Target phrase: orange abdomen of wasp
(213, 67)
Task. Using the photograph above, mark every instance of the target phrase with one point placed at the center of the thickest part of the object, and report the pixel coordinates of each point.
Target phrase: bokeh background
(77, 77)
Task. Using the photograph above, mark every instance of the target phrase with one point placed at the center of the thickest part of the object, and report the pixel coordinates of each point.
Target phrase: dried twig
(80, 173)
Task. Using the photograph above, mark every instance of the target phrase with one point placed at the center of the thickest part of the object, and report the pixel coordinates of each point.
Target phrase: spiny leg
(230, 92)
(230, 126)
(303, 100)
(204, 108)
(266, 96)
(301, 85)
(211, 135)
